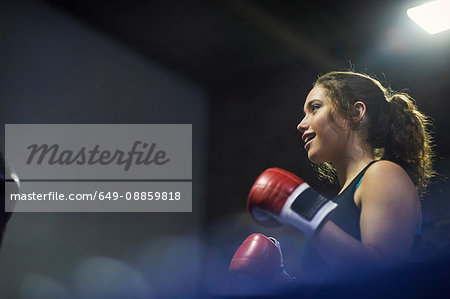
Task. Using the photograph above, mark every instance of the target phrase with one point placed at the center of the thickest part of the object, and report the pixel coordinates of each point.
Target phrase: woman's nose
(302, 126)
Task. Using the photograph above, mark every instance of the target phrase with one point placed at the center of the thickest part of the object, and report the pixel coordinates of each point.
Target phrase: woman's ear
(359, 109)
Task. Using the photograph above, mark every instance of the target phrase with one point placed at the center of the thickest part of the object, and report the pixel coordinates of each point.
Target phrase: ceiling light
(433, 17)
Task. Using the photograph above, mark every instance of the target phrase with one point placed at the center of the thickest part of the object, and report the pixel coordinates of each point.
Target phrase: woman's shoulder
(386, 179)
(383, 168)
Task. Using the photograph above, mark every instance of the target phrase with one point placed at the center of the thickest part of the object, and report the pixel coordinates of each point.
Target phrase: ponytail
(408, 141)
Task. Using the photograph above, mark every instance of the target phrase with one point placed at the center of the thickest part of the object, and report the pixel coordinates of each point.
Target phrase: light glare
(433, 17)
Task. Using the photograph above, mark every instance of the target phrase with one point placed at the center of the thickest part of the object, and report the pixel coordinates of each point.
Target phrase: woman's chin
(314, 158)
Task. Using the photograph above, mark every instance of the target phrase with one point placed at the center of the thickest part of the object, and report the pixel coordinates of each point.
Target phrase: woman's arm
(390, 213)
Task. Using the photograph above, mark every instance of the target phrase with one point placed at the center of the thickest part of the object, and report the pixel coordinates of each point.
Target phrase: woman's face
(324, 131)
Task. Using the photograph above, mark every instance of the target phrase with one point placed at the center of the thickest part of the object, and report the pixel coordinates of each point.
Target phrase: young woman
(376, 143)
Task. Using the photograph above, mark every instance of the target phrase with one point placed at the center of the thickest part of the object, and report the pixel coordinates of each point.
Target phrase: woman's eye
(315, 107)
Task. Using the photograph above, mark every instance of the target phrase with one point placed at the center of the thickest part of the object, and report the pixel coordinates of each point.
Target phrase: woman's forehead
(317, 93)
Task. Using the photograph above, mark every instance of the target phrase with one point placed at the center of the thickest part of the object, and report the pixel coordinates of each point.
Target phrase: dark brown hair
(394, 128)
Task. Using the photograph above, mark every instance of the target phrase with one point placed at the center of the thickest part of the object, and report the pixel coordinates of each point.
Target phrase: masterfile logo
(106, 151)
(52, 155)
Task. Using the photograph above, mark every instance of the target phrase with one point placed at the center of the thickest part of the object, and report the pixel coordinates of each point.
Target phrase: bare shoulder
(385, 171)
(386, 181)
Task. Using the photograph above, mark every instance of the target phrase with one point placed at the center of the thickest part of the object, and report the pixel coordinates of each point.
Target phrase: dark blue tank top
(347, 214)
(313, 268)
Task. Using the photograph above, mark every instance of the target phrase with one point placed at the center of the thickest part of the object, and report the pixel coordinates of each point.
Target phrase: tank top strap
(361, 175)
(359, 183)
(349, 191)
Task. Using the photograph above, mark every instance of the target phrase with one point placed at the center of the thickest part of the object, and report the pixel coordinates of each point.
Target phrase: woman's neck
(349, 165)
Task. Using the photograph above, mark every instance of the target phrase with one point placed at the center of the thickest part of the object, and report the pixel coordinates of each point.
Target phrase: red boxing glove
(278, 196)
(259, 262)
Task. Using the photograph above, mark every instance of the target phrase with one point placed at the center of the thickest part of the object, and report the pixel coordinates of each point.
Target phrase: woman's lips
(308, 144)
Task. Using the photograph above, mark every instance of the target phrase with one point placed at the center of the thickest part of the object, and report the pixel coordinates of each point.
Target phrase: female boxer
(376, 143)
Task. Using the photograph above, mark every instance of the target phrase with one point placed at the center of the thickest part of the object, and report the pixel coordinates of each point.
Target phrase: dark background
(239, 71)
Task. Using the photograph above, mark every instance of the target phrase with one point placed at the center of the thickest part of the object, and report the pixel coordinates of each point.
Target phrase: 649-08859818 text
(150, 195)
